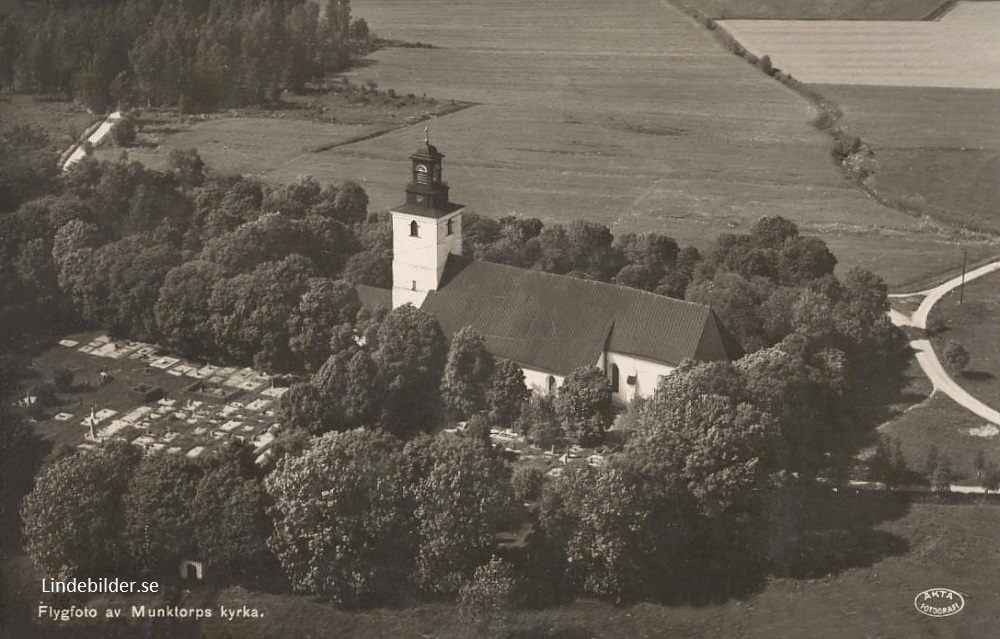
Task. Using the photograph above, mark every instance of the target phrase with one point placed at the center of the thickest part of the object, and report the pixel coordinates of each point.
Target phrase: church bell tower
(426, 228)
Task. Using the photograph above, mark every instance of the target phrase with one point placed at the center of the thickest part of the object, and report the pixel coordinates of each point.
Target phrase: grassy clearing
(975, 324)
(958, 435)
(815, 9)
(63, 121)
(947, 545)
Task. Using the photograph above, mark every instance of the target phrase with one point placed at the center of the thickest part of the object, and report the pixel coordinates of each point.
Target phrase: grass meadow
(937, 150)
(816, 9)
(975, 324)
(62, 120)
(627, 113)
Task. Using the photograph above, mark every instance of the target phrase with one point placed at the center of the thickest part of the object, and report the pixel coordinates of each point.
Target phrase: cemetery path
(926, 356)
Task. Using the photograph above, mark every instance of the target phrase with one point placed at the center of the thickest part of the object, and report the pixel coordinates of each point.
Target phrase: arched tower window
(552, 385)
(414, 229)
(448, 228)
(615, 378)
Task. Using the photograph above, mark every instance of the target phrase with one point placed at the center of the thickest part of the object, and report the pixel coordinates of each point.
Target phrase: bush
(956, 357)
(45, 394)
(62, 377)
(486, 601)
(527, 482)
(124, 132)
(844, 145)
(766, 66)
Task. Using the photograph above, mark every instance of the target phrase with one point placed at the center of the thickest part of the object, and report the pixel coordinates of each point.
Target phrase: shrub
(527, 482)
(956, 357)
(62, 377)
(45, 394)
(487, 600)
(844, 145)
(124, 132)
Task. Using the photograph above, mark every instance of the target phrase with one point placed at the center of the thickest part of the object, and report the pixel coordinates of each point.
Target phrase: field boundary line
(322, 148)
(940, 12)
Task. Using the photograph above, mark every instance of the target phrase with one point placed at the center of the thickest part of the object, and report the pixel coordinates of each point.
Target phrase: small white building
(548, 324)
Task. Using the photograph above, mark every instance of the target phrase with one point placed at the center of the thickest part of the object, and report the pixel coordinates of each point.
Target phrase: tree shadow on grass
(978, 376)
(822, 532)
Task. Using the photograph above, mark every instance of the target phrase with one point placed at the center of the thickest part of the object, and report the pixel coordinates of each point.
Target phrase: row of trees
(358, 517)
(361, 518)
(114, 512)
(198, 55)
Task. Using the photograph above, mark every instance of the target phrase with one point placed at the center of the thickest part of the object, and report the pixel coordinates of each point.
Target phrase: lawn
(958, 435)
(816, 9)
(975, 324)
(627, 113)
(63, 121)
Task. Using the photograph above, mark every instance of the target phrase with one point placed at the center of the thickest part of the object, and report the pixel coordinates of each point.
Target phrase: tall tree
(462, 496)
(74, 518)
(584, 405)
(342, 528)
(410, 359)
(467, 373)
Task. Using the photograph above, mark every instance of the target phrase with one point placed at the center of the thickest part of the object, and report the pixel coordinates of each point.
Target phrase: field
(937, 151)
(62, 121)
(975, 325)
(629, 113)
(958, 51)
(816, 9)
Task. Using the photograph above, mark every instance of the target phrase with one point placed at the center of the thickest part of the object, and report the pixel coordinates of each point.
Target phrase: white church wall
(647, 375)
(538, 381)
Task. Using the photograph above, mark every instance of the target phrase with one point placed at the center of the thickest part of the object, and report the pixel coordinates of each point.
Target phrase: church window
(552, 385)
(615, 381)
(414, 230)
(448, 227)
(630, 380)
(421, 174)
(414, 286)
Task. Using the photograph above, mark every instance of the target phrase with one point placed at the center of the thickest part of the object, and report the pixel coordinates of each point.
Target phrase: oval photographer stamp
(939, 602)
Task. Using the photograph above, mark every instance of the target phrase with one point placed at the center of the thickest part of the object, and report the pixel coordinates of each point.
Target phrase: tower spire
(427, 137)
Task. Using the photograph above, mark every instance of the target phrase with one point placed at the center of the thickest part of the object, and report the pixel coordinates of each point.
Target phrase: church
(548, 324)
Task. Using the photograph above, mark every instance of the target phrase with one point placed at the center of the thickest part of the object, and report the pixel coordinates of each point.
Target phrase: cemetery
(137, 392)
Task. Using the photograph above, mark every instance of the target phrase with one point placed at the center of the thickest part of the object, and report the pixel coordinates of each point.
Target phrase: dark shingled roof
(557, 323)
(372, 298)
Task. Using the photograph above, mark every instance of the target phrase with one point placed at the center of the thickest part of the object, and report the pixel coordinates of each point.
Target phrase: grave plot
(158, 401)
